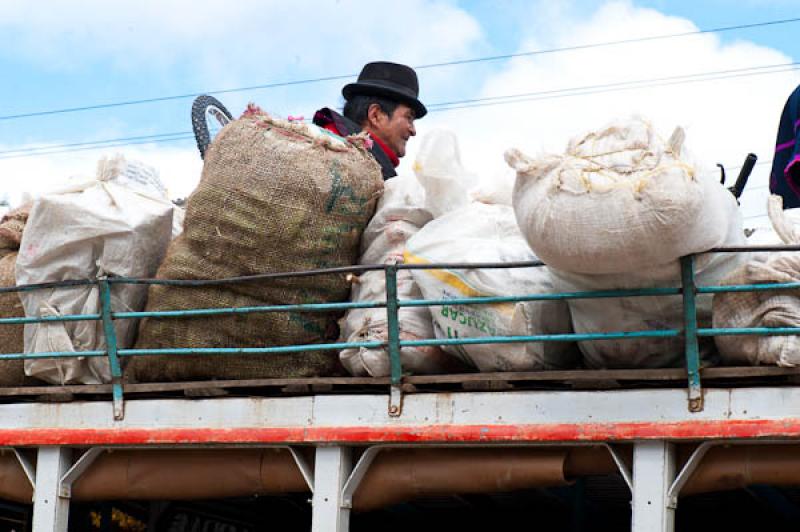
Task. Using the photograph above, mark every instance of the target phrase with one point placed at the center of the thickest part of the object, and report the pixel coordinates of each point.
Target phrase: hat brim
(370, 89)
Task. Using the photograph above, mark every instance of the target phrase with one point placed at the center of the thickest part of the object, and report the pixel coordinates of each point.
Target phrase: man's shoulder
(326, 117)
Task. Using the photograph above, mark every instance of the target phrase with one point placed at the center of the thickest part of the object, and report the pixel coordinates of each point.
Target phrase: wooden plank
(569, 377)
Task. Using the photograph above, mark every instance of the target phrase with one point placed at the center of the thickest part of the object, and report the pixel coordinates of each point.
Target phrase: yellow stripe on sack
(456, 282)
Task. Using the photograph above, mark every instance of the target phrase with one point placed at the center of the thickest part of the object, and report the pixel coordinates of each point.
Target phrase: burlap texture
(271, 198)
(11, 227)
(12, 372)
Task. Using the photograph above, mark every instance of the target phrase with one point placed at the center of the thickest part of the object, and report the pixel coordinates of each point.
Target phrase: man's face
(394, 130)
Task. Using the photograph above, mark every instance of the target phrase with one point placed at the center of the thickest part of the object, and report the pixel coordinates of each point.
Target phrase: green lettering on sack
(342, 197)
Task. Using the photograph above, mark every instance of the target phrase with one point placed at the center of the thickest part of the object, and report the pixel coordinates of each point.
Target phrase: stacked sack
(763, 309)
(12, 225)
(399, 215)
(617, 211)
(274, 196)
(117, 224)
(473, 231)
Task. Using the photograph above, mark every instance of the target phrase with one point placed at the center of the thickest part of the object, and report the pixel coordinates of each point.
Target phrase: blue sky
(73, 53)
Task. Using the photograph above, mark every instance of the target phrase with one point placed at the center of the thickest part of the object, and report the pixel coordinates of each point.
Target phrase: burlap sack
(12, 372)
(11, 336)
(273, 197)
(11, 226)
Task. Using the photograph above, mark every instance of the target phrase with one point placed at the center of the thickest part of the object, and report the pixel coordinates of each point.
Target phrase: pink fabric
(787, 173)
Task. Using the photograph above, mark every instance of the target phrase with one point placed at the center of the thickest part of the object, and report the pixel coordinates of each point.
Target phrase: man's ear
(374, 115)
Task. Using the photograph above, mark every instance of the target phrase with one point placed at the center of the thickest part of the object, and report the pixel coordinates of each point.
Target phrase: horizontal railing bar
(736, 249)
(322, 271)
(303, 307)
(246, 350)
(48, 319)
(750, 331)
(54, 354)
(662, 333)
(747, 288)
(540, 297)
(51, 284)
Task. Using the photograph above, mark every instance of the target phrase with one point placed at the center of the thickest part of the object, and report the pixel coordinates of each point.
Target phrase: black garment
(346, 127)
(785, 177)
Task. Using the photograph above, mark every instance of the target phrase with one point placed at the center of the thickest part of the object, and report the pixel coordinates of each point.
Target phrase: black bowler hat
(388, 79)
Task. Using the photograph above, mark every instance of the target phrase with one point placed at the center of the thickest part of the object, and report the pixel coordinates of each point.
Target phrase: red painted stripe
(684, 430)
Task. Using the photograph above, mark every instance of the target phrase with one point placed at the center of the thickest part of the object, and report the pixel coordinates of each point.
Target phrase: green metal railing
(690, 332)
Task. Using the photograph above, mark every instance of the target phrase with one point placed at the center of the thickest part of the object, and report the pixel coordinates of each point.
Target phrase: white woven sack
(101, 227)
(439, 170)
(619, 200)
(644, 313)
(400, 214)
(763, 309)
(480, 232)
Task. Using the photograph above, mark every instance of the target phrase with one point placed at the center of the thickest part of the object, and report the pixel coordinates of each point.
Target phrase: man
(785, 177)
(384, 102)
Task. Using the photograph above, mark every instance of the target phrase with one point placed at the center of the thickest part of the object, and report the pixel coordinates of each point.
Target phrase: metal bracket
(357, 475)
(624, 470)
(78, 468)
(691, 347)
(305, 469)
(111, 348)
(27, 467)
(118, 400)
(686, 473)
(395, 401)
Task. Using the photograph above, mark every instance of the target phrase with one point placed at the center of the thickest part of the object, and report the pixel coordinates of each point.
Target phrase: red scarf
(387, 150)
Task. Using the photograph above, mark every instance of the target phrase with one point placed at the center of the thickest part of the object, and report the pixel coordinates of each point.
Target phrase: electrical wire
(445, 106)
(418, 67)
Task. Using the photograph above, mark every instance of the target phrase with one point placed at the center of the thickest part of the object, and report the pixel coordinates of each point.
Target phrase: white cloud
(725, 119)
(242, 40)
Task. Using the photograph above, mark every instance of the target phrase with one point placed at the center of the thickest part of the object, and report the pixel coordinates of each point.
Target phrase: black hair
(357, 107)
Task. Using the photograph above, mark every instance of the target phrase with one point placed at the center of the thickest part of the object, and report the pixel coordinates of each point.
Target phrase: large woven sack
(619, 200)
(648, 313)
(115, 224)
(488, 233)
(763, 309)
(12, 372)
(399, 215)
(274, 196)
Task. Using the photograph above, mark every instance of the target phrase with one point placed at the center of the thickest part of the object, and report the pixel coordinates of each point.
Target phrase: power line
(92, 142)
(592, 89)
(643, 84)
(97, 147)
(447, 106)
(418, 67)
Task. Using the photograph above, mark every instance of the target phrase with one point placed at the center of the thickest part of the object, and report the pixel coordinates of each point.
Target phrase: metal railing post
(393, 329)
(691, 346)
(111, 348)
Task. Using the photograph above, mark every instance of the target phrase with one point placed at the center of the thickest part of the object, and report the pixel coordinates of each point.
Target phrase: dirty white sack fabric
(763, 309)
(620, 199)
(399, 215)
(480, 232)
(118, 224)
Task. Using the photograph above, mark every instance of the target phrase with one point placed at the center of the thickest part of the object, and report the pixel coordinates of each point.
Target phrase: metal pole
(653, 474)
(331, 469)
(50, 508)
(111, 346)
(393, 322)
(692, 348)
